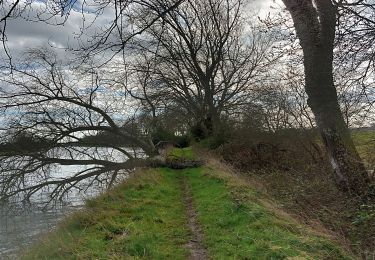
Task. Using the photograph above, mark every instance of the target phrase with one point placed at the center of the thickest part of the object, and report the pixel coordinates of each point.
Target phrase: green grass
(237, 225)
(181, 154)
(145, 218)
(365, 143)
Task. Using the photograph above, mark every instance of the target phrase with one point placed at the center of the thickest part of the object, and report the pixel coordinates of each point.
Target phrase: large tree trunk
(315, 27)
(210, 117)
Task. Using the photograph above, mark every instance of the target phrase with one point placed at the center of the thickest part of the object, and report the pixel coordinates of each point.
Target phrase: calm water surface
(21, 225)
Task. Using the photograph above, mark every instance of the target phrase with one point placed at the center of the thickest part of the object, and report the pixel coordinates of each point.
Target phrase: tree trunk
(315, 26)
(346, 163)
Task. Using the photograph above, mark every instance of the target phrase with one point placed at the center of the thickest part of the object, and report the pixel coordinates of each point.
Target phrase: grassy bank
(295, 172)
(239, 223)
(143, 218)
(365, 143)
(146, 218)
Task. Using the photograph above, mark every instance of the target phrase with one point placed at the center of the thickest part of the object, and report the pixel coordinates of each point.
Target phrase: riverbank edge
(145, 217)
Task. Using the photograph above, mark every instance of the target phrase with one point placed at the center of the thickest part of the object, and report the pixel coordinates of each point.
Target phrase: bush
(198, 132)
(214, 142)
(183, 141)
(222, 133)
(162, 135)
(25, 141)
(281, 150)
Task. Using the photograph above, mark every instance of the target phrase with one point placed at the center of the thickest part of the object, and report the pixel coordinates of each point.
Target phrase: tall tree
(203, 58)
(315, 24)
(93, 37)
(57, 115)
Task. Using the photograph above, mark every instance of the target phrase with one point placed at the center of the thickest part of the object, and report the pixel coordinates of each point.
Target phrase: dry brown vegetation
(290, 168)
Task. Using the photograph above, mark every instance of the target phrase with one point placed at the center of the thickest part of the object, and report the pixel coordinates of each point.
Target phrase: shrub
(163, 135)
(282, 150)
(198, 132)
(183, 141)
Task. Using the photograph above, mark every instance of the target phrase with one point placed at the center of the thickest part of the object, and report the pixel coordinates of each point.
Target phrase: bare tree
(356, 34)
(93, 38)
(315, 23)
(203, 58)
(65, 108)
(64, 111)
(355, 59)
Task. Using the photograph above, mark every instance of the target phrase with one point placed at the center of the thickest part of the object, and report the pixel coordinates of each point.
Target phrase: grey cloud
(23, 34)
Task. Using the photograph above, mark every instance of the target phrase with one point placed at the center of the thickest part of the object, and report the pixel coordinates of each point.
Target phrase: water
(22, 224)
(20, 230)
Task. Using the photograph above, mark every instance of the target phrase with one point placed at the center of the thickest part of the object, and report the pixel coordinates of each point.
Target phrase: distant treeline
(27, 142)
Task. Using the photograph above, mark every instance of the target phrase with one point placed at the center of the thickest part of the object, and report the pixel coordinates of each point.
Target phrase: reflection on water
(19, 230)
(22, 224)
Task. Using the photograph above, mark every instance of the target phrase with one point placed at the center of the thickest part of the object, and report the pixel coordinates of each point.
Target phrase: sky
(26, 32)
(23, 34)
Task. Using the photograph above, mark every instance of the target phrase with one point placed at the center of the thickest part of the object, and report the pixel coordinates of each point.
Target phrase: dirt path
(195, 245)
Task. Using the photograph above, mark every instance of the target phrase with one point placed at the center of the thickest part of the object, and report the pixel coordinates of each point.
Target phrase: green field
(365, 142)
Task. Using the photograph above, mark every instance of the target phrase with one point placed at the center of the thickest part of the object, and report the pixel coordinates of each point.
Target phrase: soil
(195, 244)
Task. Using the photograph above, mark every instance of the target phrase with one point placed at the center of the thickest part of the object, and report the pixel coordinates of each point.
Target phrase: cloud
(263, 8)
(26, 32)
